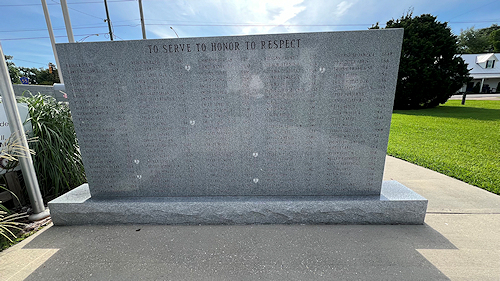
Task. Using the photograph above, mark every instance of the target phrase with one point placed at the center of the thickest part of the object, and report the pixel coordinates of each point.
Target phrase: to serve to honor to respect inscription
(262, 115)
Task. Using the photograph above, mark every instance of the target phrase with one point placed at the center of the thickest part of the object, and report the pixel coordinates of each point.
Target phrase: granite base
(397, 204)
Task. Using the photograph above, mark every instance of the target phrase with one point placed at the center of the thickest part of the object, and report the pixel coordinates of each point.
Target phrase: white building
(485, 70)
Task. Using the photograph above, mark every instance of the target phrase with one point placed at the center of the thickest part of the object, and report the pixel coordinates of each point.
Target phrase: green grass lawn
(461, 141)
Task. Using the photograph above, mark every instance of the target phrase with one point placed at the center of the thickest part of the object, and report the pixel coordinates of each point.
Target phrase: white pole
(142, 20)
(52, 39)
(16, 127)
(481, 88)
(67, 21)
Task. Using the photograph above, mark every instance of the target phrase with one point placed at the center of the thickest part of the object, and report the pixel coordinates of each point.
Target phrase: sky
(24, 34)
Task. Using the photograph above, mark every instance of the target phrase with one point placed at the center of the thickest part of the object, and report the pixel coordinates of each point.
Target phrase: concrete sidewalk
(477, 97)
(459, 241)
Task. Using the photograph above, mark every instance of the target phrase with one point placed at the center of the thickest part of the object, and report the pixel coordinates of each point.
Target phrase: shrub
(430, 72)
(57, 161)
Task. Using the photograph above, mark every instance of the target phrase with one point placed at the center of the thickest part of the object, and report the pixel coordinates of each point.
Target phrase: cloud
(243, 17)
(320, 15)
(272, 17)
(218, 17)
(199, 18)
(342, 7)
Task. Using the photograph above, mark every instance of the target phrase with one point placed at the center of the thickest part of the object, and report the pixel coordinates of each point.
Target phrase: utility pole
(142, 20)
(107, 19)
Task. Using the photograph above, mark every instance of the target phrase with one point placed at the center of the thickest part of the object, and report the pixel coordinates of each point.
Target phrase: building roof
(477, 71)
(485, 57)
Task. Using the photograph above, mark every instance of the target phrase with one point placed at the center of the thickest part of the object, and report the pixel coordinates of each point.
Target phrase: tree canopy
(13, 71)
(36, 76)
(430, 71)
(495, 40)
(472, 41)
(477, 41)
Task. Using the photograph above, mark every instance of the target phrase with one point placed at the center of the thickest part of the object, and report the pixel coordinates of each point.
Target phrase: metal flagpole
(52, 39)
(16, 126)
(67, 22)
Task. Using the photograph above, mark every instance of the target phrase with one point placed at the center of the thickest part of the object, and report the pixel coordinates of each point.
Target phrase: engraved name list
(285, 114)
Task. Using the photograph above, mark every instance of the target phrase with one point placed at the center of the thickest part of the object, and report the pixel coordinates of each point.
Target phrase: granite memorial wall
(254, 115)
(247, 116)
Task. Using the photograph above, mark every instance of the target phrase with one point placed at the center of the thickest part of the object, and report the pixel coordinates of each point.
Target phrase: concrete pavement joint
(457, 213)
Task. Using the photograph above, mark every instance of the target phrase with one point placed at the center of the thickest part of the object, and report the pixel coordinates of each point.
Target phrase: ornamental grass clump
(58, 163)
(10, 152)
(9, 224)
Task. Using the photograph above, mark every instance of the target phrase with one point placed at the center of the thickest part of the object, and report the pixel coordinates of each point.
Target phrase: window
(490, 64)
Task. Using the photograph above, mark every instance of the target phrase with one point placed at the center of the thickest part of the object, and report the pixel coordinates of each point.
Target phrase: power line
(72, 3)
(478, 21)
(30, 61)
(468, 11)
(62, 28)
(169, 23)
(253, 24)
(79, 11)
(197, 25)
(46, 37)
(176, 23)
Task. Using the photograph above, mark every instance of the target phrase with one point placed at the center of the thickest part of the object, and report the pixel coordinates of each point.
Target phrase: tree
(30, 72)
(430, 72)
(473, 41)
(47, 76)
(36, 76)
(40, 76)
(495, 40)
(476, 41)
(13, 71)
(488, 30)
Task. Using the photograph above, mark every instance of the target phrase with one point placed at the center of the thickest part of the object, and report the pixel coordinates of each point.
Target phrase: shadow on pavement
(245, 252)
